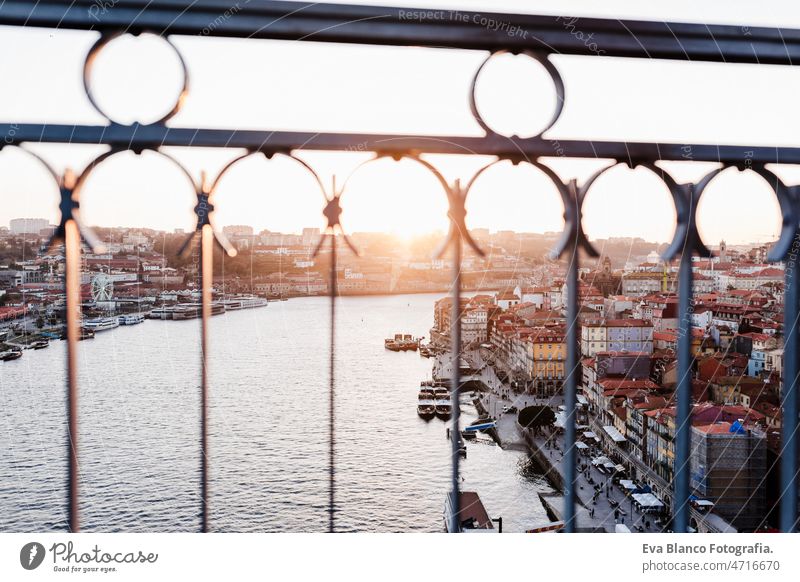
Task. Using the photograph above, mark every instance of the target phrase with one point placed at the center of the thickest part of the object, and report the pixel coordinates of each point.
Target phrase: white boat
(11, 354)
(244, 302)
(101, 323)
(252, 301)
(131, 319)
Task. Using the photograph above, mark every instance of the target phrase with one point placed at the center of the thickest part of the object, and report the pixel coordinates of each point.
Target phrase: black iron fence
(536, 36)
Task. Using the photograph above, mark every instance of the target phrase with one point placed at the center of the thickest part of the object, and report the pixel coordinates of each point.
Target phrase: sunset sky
(319, 87)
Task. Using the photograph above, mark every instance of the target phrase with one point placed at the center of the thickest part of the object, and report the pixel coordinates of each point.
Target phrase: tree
(536, 417)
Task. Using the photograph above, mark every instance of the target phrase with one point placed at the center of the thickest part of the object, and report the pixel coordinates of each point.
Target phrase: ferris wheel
(102, 287)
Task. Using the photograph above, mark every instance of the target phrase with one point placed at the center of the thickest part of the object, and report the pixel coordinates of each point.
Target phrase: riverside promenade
(601, 504)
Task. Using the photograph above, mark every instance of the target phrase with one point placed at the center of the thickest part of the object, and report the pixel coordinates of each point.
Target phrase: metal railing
(544, 35)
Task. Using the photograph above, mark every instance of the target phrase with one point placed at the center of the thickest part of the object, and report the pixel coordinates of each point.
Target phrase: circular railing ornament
(544, 60)
(455, 198)
(103, 42)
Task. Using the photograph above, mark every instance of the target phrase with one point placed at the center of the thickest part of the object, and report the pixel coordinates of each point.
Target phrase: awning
(582, 399)
(615, 435)
(560, 420)
(704, 503)
(601, 460)
(589, 435)
(582, 446)
(627, 484)
(647, 500)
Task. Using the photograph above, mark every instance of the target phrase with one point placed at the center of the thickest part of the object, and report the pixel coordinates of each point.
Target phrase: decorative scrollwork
(205, 208)
(572, 222)
(97, 48)
(541, 58)
(69, 203)
(686, 197)
(789, 201)
(455, 197)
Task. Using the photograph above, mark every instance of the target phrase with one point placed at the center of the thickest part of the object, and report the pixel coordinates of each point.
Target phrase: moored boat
(408, 343)
(131, 319)
(401, 343)
(443, 409)
(12, 354)
(162, 312)
(180, 312)
(101, 323)
(243, 302)
(394, 344)
(84, 333)
(481, 426)
(426, 409)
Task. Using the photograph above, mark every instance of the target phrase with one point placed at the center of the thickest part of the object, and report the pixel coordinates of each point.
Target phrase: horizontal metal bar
(379, 25)
(140, 137)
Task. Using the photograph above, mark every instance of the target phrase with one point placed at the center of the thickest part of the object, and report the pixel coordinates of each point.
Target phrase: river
(268, 428)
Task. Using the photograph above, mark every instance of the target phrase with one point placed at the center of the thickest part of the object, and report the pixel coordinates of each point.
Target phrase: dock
(600, 505)
(554, 506)
(484, 413)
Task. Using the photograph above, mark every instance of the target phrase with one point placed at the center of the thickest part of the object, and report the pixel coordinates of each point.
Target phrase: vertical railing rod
(570, 396)
(331, 393)
(206, 265)
(789, 448)
(455, 383)
(72, 245)
(684, 395)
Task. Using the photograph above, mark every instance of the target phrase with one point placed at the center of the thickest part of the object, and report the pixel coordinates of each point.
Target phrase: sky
(322, 87)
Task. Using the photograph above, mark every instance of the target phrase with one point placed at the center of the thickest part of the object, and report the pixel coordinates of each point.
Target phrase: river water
(139, 428)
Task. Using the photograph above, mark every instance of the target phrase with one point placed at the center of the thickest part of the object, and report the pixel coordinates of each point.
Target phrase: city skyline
(139, 75)
(475, 231)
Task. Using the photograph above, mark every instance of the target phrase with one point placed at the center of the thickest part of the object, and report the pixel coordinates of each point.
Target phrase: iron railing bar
(332, 391)
(386, 25)
(571, 386)
(683, 422)
(206, 243)
(789, 444)
(138, 137)
(454, 519)
(72, 251)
